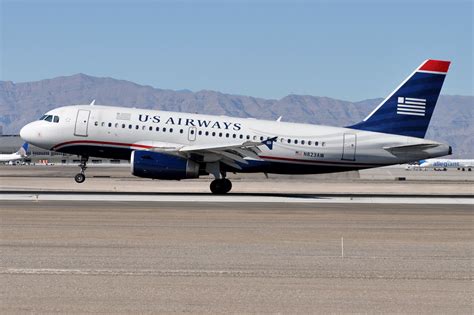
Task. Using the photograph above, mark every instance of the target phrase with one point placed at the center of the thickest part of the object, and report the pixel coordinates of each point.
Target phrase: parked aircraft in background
(173, 145)
(17, 156)
(445, 164)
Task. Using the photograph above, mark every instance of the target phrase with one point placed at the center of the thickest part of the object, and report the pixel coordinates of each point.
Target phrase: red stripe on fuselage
(120, 144)
(317, 162)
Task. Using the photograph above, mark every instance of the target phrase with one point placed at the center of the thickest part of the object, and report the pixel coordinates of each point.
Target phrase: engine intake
(158, 165)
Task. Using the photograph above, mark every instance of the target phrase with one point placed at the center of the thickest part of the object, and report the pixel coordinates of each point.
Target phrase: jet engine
(159, 165)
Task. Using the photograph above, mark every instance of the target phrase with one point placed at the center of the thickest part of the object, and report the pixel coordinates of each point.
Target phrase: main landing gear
(81, 177)
(221, 186)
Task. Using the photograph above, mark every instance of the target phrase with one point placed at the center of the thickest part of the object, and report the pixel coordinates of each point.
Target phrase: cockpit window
(50, 118)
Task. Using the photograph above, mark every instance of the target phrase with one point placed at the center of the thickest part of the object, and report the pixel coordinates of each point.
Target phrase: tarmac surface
(209, 257)
(362, 242)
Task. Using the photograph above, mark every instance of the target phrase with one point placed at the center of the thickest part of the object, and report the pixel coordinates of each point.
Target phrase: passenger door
(82, 122)
(349, 147)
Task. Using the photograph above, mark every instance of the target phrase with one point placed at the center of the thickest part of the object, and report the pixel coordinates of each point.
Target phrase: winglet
(269, 142)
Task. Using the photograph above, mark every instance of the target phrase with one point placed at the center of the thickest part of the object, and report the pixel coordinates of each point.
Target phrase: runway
(217, 256)
(238, 197)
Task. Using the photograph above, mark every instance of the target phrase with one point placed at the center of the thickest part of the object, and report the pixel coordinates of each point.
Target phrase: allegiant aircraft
(175, 146)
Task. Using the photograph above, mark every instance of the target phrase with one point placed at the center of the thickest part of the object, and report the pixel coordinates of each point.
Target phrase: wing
(228, 154)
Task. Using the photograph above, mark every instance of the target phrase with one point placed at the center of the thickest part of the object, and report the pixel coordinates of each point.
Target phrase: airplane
(174, 145)
(445, 164)
(18, 155)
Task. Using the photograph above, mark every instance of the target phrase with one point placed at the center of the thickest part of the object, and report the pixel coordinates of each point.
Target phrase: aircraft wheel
(79, 178)
(221, 186)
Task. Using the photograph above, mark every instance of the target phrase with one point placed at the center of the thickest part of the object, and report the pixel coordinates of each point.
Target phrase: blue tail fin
(407, 110)
(24, 149)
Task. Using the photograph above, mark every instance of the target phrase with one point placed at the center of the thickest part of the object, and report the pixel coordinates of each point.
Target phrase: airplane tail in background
(23, 150)
(407, 111)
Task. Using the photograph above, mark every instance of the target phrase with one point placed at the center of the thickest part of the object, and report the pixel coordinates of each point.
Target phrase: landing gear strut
(81, 177)
(221, 186)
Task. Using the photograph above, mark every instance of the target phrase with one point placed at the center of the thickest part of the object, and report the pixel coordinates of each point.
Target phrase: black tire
(221, 186)
(227, 185)
(80, 178)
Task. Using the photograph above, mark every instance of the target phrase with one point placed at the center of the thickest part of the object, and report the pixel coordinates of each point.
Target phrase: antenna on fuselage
(279, 118)
(92, 103)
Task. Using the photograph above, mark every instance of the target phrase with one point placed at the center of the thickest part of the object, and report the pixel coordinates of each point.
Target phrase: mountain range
(20, 103)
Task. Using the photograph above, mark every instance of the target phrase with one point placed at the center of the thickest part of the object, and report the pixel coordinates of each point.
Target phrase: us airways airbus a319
(175, 146)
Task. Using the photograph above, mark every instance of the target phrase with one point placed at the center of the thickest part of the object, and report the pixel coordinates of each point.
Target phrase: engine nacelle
(158, 165)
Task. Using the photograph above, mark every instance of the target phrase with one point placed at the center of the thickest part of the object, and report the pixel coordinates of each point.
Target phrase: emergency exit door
(192, 134)
(349, 147)
(82, 122)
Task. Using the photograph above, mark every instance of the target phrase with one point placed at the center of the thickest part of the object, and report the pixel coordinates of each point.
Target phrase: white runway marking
(236, 198)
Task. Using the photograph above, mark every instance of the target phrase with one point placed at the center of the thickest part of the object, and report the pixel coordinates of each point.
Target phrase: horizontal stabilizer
(412, 150)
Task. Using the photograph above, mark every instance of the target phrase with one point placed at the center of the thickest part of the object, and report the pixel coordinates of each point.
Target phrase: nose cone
(26, 133)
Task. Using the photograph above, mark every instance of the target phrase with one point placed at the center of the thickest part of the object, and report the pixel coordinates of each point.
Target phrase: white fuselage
(116, 131)
(447, 163)
(10, 157)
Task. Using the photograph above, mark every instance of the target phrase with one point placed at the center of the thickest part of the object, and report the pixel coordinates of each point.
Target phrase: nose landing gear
(81, 177)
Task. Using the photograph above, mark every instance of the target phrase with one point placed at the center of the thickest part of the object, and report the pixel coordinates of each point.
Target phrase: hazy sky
(350, 50)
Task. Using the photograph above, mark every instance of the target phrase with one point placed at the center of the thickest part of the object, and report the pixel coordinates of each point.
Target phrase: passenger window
(171, 129)
(129, 126)
(150, 128)
(143, 127)
(302, 141)
(213, 134)
(181, 131)
(316, 143)
(157, 129)
(207, 133)
(289, 141)
(110, 125)
(199, 132)
(116, 125)
(103, 124)
(123, 125)
(96, 123)
(137, 127)
(309, 142)
(296, 141)
(220, 134)
(227, 135)
(164, 129)
(241, 136)
(248, 137)
(261, 138)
